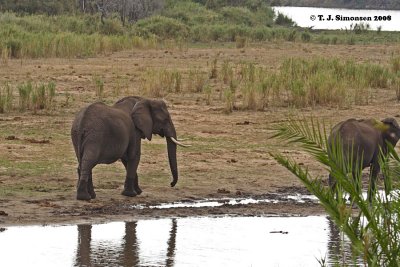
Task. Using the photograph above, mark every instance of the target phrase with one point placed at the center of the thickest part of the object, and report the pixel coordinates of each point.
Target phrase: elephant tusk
(181, 140)
(178, 143)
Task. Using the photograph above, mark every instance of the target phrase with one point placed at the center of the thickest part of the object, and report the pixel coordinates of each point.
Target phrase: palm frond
(374, 232)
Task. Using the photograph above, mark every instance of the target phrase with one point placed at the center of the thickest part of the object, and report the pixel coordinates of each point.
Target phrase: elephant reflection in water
(127, 256)
(339, 250)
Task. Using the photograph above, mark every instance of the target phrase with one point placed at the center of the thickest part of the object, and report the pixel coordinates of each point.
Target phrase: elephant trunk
(171, 147)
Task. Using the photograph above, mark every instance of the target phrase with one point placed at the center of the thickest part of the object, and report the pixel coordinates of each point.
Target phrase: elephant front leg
(136, 185)
(131, 182)
(91, 187)
(374, 170)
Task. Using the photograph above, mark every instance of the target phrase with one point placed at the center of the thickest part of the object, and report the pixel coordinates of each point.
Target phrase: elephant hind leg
(90, 183)
(91, 187)
(85, 184)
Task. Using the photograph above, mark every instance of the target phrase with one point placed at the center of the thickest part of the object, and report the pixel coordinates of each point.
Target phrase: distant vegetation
(356, 4)
(87, 27)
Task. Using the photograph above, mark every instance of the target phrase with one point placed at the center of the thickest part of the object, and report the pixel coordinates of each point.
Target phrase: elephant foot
(92, 195)
(138, 190)
(83, 196)
(82, 192)
(129, 193)
(91, 192)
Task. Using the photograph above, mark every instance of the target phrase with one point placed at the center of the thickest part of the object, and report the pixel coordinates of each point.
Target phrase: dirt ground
(229, 156)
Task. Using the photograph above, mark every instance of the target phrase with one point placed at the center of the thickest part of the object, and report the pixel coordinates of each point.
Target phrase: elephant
(364, 139)
(103, 134)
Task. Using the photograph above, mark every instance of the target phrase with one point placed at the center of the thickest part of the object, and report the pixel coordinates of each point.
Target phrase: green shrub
(237, 16)
(284, 20)
(111, 27)
(14, 47)
(305, 37)
(163, 27)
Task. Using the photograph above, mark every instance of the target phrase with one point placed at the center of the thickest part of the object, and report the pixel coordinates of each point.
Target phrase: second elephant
(105, 134)
(361, 142)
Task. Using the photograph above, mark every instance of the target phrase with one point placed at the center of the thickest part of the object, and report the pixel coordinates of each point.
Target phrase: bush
(237, 16)
(111, 27)
(305, 37)
(163, 27)
(14, 47)
(291, 37)
(283, 20)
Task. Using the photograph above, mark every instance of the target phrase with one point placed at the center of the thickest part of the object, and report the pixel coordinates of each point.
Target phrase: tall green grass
(36, 97)
(6, 98)
(99, 87)
(37, 36)
(308, 82)
(158, 83)
(372, 228)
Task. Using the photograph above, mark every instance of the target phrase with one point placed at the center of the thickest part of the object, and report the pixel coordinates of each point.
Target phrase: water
(196, 241)
(218, 202)
(273, 198)
(302, 16)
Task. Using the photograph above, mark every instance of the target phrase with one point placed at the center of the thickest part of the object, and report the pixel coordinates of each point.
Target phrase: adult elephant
(103, 134)
(364, 139)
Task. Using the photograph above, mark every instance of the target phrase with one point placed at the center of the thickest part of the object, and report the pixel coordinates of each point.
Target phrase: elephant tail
(80, 147)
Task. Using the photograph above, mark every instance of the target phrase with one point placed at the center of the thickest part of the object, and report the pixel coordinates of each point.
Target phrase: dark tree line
(51, 7)
(128, 10)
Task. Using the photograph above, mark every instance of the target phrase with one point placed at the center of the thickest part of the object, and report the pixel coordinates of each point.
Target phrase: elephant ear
(393, 127)
(141, 115)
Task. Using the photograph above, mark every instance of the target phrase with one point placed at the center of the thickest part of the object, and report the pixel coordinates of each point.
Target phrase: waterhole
(193, 241)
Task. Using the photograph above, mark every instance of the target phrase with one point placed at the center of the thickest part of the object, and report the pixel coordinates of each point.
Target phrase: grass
(197, 80)
(372, 228)
(6, 98)
(296, 82)
(36, 97)
(160, 82)
(99, 87)
(306, 82)
(38, 36)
